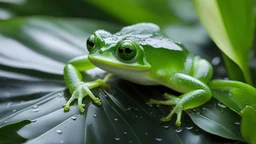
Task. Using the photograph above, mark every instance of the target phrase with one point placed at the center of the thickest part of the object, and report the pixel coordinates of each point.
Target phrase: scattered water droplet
(5, 121)
(178, 130)
(237, 123)
(59, 131)
(14, 110)
(117, 138)
(73, 117)
(140, 117)
(128, 108)
(35, 106)
(150, 105)
(94, 115)
(59, 95)
(34, 120)
(115, 119)
(130, 141)
(216, 61)
(158, 139)
(125, 133)
(221, 105)
(35, 110)
(166, 126)
(9, 104)
(157, 105)
(189, 127)
(146, 133)
(61, 141)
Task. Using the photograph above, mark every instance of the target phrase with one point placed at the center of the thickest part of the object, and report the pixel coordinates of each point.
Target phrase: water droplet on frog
(125, 133)
(34, 107)
(178, 130)
(94, 115)
(158, 139)
(237, 123)
(34, 120)
(189, 127)
(35, 110)
(14, 110)
(59, 131)
(61, 141)
(216, 61)
(117, 138)
(115, 119)
(222, 105)
(73, 117)
(166, 127)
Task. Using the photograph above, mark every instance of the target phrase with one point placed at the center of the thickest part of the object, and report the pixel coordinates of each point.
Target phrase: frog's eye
(126, 51)
(90, 42)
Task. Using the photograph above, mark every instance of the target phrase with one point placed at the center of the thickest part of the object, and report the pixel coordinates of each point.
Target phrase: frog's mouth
(110, 63)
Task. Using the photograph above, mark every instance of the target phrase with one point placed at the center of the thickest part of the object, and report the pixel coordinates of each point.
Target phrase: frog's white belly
(135, 76)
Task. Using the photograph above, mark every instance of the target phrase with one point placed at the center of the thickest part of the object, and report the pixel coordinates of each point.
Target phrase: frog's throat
(99, 62)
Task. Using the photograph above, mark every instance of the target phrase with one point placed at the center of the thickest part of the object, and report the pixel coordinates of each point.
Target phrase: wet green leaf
(248, 124)
(236, 95)
(34, 51)
(231, 26)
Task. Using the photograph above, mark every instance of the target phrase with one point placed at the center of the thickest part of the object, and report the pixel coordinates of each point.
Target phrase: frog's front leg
(195, 93)
(76, 86)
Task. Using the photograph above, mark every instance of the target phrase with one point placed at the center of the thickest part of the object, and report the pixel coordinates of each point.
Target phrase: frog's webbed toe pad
(170, 100)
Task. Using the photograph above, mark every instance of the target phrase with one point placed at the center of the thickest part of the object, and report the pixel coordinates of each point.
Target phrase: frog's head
(116, 54)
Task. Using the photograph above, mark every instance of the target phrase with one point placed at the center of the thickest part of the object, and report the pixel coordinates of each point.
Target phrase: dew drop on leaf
(158, 139)
(117, 138)
(34, 107)
(73, 117)
(35, 110)
(125, 133)
(115, 119)
(14, 110)
(216, 61)
(166, 126)
(59, 131)
(222, 105)
(178, 130)
(237, 123)
(34, 120)
(189, 127)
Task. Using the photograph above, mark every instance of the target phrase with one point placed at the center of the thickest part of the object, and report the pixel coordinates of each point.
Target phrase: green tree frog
(142, 54)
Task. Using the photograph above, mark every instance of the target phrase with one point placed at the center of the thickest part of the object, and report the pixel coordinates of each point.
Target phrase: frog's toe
(81, 107)
(66, 107)
(97, 101)
(165, 119)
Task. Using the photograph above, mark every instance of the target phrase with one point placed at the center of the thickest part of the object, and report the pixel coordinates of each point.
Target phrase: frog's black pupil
(128, 50)
(90, 43)
(120, 50)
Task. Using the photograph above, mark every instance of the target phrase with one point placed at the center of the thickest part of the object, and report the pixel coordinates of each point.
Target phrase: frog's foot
(170, 100)
(84, 90)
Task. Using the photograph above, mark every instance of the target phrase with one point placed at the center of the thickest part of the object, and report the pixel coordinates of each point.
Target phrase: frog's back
(162, 53)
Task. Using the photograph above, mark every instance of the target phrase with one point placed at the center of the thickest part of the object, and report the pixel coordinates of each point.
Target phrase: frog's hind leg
(195, 93)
